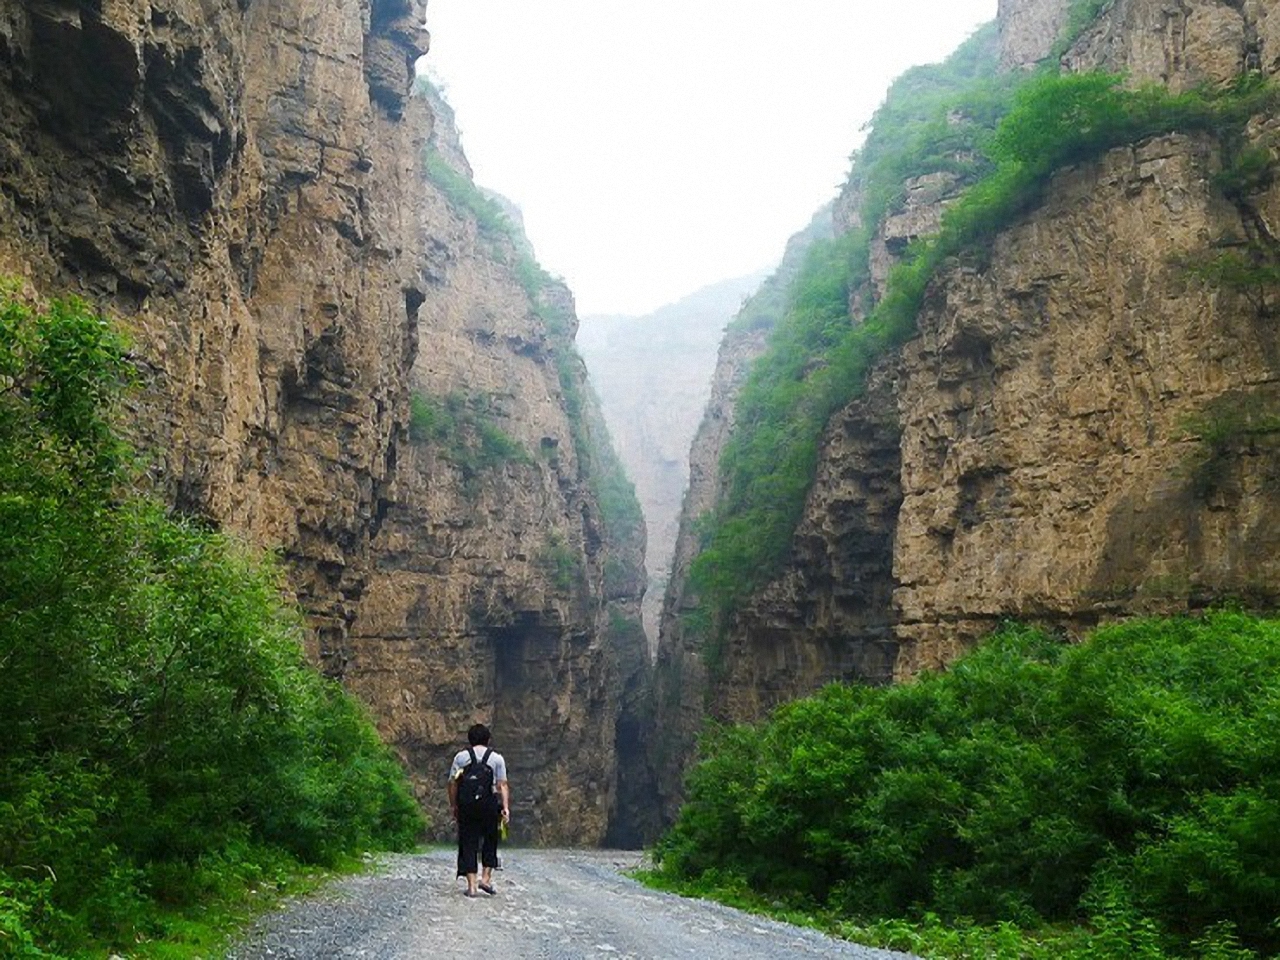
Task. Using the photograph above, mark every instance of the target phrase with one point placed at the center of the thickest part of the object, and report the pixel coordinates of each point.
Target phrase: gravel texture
(550, 904)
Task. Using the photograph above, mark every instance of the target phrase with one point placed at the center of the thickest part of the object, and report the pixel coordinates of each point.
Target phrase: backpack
(475, 786)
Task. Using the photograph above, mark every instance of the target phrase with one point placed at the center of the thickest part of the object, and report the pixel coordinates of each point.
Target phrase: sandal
(487, 888)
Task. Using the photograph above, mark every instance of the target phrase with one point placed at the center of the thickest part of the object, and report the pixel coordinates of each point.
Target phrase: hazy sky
(657, 146)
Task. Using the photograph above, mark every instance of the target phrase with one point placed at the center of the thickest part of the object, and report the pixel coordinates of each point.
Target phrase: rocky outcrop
(1086, 425)
(236, 183)
(1180, 44)
(240, 182)
(1029, 30)
(1049, 413)
(653, 375)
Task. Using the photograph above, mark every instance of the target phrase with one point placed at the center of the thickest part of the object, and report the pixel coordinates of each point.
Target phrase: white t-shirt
(495, 761)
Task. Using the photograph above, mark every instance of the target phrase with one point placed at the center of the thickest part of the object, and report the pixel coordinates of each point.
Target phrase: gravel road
(559, 904)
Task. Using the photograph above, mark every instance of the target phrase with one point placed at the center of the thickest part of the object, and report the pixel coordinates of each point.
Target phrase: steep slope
(653, 375)
(1083, 424)
(241, 183)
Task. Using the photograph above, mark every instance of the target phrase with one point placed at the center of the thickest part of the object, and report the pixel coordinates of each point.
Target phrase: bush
(1130, 778)
(156, 704)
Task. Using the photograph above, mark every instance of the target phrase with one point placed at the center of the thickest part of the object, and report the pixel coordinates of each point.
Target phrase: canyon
(350, 357)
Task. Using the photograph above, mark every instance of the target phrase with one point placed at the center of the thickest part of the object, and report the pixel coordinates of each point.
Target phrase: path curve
(553, 904)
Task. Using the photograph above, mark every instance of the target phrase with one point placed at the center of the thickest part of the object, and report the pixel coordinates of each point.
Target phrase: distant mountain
(653, 376)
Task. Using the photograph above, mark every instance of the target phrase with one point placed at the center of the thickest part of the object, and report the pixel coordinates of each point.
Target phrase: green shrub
(156, 704)
(560, 562)
(463, 194)
(1129, 779)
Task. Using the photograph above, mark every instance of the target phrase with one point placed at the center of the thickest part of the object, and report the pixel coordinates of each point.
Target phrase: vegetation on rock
(1005, 142)
(1125, 784)
(464, 429)
(165, 742)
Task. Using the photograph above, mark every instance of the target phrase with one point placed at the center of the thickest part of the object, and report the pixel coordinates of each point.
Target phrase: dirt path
(550, 904)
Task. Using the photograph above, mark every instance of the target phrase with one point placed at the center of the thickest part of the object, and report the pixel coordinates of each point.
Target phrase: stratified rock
(1082, 429)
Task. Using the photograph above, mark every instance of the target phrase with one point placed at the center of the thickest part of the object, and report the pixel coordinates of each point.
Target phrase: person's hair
(478, 735)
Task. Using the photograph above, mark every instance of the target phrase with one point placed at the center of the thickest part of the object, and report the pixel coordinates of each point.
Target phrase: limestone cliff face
(240, 182)
(1071, 435)
(237, 183)
(1181, 44)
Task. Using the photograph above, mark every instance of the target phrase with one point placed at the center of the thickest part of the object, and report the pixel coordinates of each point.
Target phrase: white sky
(657, 146)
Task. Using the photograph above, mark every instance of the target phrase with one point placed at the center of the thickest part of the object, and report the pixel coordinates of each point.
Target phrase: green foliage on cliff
(1127, 783)
(165, 742)
(463, 428)
(464, 195)
(819, 355)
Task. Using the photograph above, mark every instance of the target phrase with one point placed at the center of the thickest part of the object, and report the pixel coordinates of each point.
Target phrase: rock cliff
(241, 183)
(1082, 427)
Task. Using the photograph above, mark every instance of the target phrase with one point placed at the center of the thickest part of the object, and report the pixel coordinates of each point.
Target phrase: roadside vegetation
(169, 758)
(1115, 798)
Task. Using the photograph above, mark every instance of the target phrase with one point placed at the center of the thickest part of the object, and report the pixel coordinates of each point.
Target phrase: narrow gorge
(1024, 368)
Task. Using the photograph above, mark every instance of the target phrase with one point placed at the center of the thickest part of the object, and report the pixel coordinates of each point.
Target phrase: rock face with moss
(241, 183)
(1084, 424)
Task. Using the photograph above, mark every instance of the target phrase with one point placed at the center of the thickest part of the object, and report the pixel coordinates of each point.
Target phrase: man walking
(480, 800)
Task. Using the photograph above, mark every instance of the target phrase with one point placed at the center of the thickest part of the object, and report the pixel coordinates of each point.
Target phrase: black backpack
(475, 786)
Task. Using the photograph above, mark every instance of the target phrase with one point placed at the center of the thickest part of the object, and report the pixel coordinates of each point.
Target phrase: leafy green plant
(1249, 268)
(157, 708)
(1126, 780)
(561, 563)
(1227, 425)
(465, 195)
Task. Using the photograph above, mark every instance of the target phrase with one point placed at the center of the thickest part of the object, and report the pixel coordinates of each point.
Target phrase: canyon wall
(680, 675)
(241, 184)
(1081, 429)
